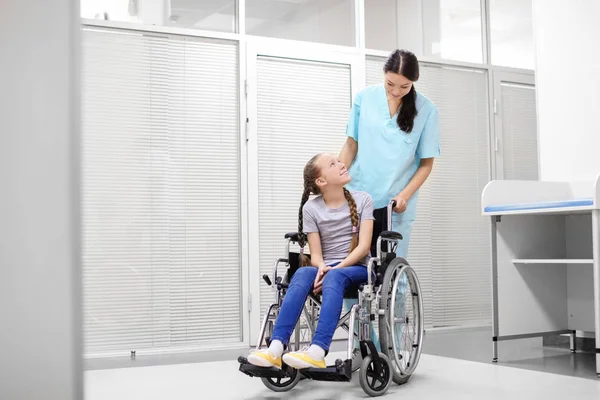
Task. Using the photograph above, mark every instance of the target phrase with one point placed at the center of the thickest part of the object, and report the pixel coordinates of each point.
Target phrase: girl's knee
(334, 277)
(305, 274)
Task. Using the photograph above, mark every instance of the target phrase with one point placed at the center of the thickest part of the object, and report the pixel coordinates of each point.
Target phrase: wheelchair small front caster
(339, 365)
(375, 376)
(283, 384)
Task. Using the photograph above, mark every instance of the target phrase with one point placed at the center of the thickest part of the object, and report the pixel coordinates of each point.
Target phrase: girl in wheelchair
(338, 225)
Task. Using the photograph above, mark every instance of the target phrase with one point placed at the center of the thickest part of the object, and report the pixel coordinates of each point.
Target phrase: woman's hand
(425, 167)
(401, 201)
(323, 269)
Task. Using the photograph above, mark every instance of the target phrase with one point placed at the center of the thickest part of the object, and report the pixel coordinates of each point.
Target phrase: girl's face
(396, 85)
(333, 172)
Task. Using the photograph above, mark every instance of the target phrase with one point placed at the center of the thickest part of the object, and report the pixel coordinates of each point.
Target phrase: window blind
(519, 131)
(450, 244)
(302, 110)
(161, 192)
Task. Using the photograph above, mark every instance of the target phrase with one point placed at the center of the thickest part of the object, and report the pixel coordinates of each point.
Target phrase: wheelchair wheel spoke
(404, 320)
(408, 333)
(372, 382)
(373, 379)
(401, 298)
(408, 347)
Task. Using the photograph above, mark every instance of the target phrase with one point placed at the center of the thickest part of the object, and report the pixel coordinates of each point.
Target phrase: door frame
(285, 49)
(499, 78)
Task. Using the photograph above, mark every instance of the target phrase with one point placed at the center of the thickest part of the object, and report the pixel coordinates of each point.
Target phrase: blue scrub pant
(405, 229)
(336, 281)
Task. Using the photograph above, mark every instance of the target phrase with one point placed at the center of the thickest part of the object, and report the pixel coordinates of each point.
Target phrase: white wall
(568, 88)
(39, 207)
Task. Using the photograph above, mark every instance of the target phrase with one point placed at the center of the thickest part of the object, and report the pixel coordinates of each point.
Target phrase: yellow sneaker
(301, 360)
(264, 358)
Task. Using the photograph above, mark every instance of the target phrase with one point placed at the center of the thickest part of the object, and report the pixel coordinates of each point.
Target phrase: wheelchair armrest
(391, 235)
(293, 236)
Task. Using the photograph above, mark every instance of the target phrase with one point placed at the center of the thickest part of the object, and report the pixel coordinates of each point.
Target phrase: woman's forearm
(348, 152)
(418, 178)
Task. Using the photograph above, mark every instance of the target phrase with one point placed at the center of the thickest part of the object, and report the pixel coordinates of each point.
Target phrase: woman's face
(396, 85)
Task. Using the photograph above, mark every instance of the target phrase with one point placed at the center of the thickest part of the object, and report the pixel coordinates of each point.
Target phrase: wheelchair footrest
(341, 372)
(263, 372)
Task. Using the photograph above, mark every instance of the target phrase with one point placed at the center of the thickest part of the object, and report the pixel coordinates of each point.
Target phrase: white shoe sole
(260, 362)
(297, 363)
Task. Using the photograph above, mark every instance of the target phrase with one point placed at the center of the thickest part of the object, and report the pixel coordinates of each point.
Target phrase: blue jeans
(335, 283)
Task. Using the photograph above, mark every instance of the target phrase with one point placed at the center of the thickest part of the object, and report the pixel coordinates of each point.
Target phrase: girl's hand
(323, 269)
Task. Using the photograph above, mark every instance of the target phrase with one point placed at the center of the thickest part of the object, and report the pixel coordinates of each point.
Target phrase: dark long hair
(405, 63)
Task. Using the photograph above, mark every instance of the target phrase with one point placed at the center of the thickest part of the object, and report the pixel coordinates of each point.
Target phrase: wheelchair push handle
(278, 282)
(267, 279)
(390, 211)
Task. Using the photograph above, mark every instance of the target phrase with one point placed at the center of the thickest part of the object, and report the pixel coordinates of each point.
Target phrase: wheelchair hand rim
(407, 367)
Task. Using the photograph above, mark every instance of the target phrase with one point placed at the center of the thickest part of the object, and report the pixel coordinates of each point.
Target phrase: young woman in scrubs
(392, 139)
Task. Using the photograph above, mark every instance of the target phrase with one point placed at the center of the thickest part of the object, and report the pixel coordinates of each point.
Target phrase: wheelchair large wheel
(283, 384)
(401, 326)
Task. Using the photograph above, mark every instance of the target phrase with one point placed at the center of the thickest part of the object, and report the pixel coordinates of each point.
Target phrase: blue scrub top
(388, 157)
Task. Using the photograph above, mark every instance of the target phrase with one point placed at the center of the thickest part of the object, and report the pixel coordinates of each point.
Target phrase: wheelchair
(390, 299)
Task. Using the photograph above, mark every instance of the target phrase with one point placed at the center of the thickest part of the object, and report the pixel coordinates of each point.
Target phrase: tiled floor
(436, 378)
